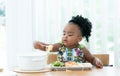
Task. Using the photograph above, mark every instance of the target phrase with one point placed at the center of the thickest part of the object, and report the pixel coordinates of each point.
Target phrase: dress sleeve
(60, 42)
(81, 46)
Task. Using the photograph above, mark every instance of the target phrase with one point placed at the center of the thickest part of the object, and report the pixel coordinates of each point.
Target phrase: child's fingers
(99, 64)
(42, 46)
(36, 45)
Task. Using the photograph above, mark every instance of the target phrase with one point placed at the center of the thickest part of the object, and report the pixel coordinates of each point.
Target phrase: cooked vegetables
(58, 64)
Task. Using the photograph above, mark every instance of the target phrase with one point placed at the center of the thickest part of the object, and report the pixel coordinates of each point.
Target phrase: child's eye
(70, 35)
(63, 34)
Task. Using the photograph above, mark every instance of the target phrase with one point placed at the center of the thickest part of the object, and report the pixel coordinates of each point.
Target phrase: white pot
(32, 61)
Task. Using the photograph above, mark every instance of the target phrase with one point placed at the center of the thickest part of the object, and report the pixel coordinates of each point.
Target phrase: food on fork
(49, 48)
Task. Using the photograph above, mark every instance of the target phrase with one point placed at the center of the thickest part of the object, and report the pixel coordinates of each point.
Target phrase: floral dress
(75, 54)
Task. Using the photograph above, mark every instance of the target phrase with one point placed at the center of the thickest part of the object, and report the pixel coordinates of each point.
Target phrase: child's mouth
(64, 41)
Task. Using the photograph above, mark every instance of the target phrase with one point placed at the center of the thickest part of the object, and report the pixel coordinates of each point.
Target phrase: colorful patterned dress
(75, 54)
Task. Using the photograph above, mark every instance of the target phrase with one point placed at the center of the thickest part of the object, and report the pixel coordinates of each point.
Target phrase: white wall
(19, 26)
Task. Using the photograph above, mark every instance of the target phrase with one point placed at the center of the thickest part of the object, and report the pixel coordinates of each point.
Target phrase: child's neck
(73, 46)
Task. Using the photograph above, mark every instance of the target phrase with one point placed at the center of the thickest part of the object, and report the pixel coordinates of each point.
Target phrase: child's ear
(79, 38)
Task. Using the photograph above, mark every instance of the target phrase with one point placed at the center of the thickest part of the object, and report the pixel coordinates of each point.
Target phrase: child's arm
(42, 46)
(94, 60)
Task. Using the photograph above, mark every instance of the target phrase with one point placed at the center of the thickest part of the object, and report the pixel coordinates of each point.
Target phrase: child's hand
(98, 63)
(39, 45)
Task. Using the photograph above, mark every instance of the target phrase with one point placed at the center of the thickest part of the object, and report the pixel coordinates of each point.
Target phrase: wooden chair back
(103, 57)
(51, 58)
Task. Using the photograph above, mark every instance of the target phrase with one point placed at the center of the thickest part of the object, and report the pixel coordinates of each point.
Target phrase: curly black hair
(84, 24)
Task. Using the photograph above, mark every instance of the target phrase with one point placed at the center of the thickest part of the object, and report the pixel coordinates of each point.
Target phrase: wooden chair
(104, 58)
(51, 58)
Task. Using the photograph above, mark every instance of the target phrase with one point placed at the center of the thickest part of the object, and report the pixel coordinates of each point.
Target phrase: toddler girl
(69, 48)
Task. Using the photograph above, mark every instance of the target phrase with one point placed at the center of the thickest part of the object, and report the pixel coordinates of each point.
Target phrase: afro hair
(84, 24)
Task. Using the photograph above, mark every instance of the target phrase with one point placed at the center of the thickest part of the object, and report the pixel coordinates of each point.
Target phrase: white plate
(18, 70)
(81, 66)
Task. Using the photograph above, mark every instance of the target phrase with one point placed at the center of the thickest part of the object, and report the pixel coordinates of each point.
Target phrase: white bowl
(33, 61)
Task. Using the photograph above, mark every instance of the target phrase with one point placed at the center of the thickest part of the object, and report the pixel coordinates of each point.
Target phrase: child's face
(71, 35)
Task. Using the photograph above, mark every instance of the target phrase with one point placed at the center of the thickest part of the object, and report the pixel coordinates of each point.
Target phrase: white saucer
(18, 70)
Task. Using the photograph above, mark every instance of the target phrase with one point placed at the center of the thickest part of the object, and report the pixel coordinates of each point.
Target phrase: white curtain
(19, 29)
(50, 17)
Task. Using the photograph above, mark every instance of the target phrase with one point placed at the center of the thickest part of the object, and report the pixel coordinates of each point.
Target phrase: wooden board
(83, 66)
